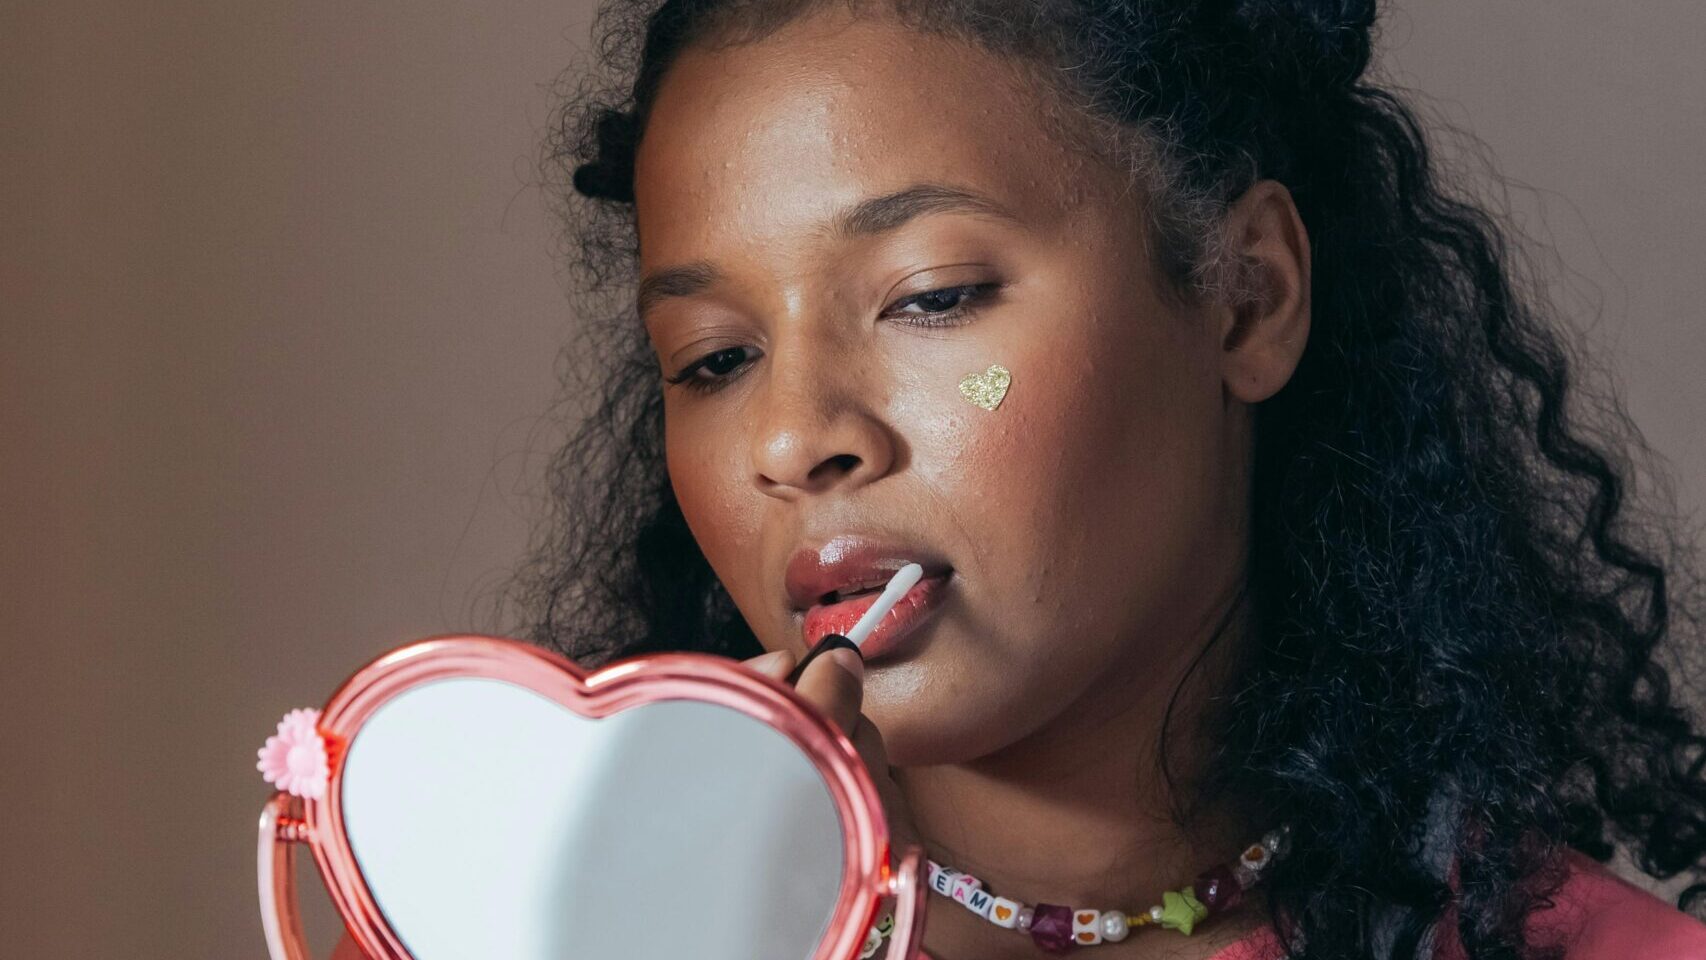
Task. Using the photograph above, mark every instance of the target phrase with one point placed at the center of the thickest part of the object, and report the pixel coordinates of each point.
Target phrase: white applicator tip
(902, 581)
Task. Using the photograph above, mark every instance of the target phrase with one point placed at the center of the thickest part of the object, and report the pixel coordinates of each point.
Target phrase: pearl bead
(1026, 915)
(1155, 913)
(1114, 926)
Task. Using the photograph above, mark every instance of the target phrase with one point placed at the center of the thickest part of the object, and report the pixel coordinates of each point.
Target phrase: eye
(718, 363)
(944, 306)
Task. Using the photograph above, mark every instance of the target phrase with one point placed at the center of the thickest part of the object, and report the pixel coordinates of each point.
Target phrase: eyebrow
(866, 218)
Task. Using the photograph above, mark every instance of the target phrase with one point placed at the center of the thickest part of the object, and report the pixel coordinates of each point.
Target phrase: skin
(1096, 521)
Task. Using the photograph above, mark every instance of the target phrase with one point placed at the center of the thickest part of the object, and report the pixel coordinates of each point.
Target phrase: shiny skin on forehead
(756, 146)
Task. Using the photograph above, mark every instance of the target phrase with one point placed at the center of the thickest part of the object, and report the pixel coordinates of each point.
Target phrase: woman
(1244, 468)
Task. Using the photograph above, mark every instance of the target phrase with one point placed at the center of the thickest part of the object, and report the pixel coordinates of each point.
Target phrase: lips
(896, 626)
(836, 583)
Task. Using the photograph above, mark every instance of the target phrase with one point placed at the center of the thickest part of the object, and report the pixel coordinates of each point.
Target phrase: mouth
(852, 591)
(832, 587)
(891, 632)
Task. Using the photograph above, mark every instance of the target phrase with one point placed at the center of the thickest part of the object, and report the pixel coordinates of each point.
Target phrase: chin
(919, 745)
(922, 726)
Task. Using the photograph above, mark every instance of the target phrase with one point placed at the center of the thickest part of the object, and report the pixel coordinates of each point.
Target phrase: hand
(834, 682)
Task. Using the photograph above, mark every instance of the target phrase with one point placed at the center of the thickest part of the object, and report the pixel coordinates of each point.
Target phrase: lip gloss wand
(903, 580)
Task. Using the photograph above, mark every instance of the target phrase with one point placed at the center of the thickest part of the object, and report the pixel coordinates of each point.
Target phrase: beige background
(279, 319)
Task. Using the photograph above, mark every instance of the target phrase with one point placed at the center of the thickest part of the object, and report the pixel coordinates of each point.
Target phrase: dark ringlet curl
(1461, 614)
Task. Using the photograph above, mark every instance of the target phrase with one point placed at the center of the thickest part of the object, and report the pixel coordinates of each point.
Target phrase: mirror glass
(489, 821)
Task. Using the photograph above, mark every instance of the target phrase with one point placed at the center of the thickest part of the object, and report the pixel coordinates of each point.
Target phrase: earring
(987, 388)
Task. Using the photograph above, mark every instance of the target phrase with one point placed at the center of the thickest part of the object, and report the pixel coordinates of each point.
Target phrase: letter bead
(943, 881)
(964, 884)
(979, 901)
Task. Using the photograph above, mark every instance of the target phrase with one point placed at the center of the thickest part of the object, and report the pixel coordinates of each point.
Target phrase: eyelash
(972, 294)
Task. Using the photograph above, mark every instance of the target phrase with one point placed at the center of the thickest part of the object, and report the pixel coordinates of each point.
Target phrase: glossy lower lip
(901, 622)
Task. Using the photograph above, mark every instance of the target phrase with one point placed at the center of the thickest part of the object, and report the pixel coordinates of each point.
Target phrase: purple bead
(1217, 889)
(1051, 927)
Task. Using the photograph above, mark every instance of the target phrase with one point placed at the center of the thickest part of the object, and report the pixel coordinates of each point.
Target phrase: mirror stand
(906, 886)
(281, 829)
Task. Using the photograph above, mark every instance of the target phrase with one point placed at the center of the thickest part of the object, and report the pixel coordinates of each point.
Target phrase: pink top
(1602, 915)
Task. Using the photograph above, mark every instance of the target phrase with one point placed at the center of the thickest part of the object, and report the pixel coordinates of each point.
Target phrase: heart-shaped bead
(987, 388)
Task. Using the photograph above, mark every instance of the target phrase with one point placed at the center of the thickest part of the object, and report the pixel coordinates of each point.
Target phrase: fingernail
(850, 661)
(768, 662)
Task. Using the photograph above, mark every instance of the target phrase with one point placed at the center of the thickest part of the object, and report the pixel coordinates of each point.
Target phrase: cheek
(1088, 476)
(705, 462)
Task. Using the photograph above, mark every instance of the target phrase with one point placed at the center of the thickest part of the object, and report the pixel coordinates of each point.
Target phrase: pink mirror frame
(288, 820)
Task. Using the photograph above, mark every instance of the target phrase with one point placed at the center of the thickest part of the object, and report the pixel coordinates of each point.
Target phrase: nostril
(842, 463)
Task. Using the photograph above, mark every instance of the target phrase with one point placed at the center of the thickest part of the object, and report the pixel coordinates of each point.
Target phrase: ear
(1267, 324)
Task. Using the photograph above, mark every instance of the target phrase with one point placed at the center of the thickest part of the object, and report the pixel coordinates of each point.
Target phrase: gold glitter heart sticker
(987, 388)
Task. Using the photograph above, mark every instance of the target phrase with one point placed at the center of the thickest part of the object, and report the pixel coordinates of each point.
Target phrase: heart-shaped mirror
(483, 797)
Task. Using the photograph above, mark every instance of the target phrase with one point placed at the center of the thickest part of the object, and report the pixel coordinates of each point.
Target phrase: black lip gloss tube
(829, 642)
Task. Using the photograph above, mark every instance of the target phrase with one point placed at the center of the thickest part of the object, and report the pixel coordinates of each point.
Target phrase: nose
(818, 431)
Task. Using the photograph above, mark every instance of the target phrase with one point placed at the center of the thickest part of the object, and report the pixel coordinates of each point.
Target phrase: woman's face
(1080, 530)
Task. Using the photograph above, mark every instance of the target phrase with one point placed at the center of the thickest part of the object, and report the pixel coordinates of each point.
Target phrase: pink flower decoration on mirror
(294, 759)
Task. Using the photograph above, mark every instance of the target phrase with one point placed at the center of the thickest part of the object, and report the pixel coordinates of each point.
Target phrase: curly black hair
(1454, 586)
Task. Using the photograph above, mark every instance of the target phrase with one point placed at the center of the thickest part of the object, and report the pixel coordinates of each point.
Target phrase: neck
(1078, 814)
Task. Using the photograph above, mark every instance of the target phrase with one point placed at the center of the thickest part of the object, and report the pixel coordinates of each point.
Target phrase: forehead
(761, 144)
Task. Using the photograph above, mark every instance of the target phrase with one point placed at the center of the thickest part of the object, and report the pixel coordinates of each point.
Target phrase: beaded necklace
(1057, 928)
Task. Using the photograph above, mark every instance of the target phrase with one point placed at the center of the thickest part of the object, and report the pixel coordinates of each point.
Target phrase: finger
(868, 740)
(835, 684)
(774, 664)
